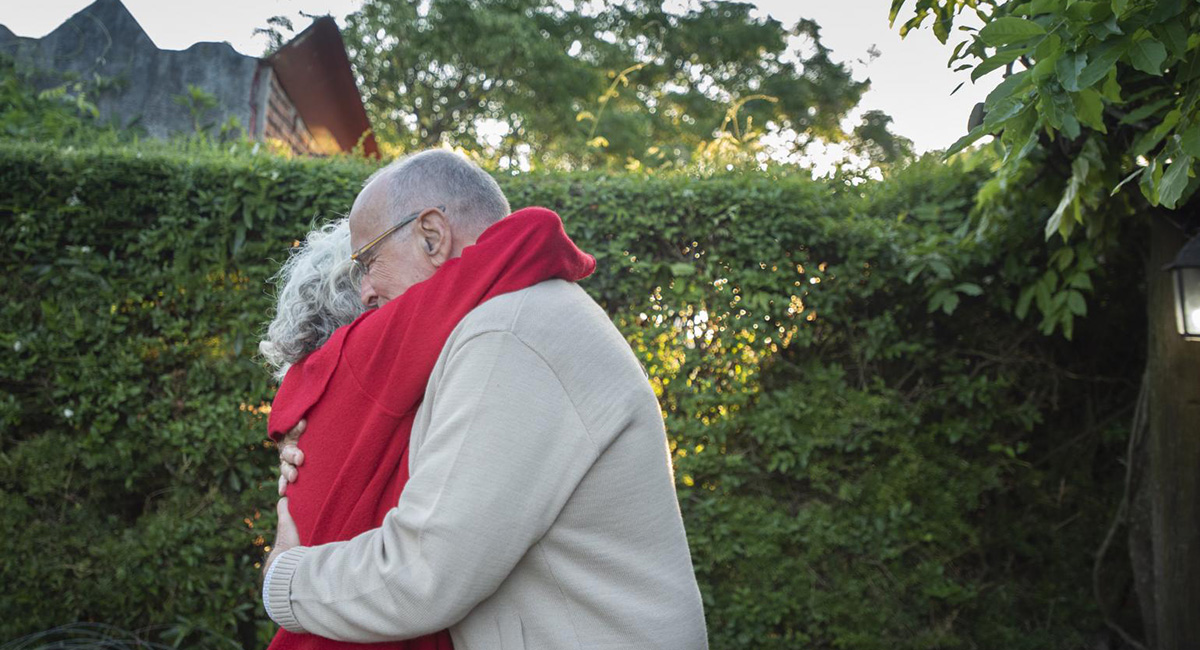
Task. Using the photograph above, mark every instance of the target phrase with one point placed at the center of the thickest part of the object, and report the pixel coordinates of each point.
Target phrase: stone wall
(105, 39)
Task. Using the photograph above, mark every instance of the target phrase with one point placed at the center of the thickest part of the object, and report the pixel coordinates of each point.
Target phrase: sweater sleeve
(504, 450)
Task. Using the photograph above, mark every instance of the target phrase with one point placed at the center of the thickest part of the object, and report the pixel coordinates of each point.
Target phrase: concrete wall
(104, 39)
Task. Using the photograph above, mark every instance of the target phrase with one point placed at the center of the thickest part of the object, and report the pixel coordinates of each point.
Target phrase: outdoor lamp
(1186, 273)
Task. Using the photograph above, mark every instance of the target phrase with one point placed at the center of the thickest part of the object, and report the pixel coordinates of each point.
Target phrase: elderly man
(540, 510)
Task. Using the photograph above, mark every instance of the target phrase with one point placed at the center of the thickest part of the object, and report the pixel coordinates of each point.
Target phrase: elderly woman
(317, 294)
(357, 378)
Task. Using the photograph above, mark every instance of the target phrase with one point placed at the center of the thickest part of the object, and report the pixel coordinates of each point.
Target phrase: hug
(471, 453)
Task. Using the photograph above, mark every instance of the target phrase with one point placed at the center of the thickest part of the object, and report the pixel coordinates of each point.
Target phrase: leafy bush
(61, 112)
(860, 463)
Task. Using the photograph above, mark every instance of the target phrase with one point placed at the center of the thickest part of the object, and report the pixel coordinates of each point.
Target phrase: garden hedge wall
(854, 470)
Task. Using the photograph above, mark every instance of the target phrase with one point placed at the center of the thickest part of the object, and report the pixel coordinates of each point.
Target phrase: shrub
(854, 469)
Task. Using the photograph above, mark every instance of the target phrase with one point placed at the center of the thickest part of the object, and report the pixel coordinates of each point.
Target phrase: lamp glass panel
(1188, 287)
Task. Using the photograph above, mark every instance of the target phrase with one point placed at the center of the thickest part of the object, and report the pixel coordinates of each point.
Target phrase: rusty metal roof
(315, 72)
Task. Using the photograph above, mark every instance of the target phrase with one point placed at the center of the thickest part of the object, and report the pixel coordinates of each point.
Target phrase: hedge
(854, 469)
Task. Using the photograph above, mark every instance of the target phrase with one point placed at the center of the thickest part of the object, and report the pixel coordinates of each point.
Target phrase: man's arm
(504, 451)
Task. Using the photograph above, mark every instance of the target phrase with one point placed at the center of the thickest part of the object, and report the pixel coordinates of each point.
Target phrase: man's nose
(366, 293)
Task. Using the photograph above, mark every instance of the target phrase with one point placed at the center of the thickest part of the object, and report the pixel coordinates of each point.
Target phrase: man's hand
(286, 535)
(290, 456)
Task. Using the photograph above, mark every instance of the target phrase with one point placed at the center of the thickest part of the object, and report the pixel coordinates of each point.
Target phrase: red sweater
(361, 390)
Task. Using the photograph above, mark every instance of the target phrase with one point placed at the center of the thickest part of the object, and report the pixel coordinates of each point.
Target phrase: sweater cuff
(278, 589)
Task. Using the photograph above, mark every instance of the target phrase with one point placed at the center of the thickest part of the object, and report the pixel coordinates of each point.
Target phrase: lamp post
(1185, 272)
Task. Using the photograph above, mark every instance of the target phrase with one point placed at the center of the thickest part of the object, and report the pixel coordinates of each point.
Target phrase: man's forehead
(368, 205)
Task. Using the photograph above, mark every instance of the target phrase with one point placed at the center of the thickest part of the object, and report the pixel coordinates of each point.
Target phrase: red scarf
(360, 391)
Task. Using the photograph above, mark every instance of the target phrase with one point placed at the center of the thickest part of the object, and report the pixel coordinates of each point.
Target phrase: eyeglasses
(362, 264)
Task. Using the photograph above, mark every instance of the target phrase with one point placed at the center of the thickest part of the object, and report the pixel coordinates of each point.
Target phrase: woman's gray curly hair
(316, 293)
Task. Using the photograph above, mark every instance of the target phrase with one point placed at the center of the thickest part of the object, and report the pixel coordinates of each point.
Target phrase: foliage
(60, 112)
(1105, 99)
(199, 104)
(100, 635)
(854, 470)
(431, 74)
(877, 143)
(632, 84)
(64, 113)
(131, 440)
(276, 27)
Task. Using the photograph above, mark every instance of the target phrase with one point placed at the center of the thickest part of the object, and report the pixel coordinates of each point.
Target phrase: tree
(632, 83)
(434, 74)
(1099, 98)
(694, 67)
(875, 140)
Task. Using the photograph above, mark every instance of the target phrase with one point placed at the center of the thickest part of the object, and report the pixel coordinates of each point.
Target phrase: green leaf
(1189, 69)
(1119, 7)
(1052, 104)
(682, 269)
(1151, 138)
(1071, 127)
(940, 268)
(1089, 108)
(1081, 281)
(945, 300)
(1100, 60)
(1009, 29)
(1011, 85)
(957, 53)
(1055, 223)
(1082, 11)
(1111, 88)
(1148, 55)
(1003, 110)
(1048, 48)
(1063, 257)
(1174, 35)
(239, 239)
(969, 288)
(1080, 169)
(1164, 9)
(950, 304)
(1023, 301)
(1103, 30)
(1190, 141)
(1149, 183)
(1018, 132)
(1076, 303)
(1145, 110)
(1038, 7)
(966, 140)
(1045, 67)
(1068, 67)
(996, 62)
(1125, 180)
(1174, 180)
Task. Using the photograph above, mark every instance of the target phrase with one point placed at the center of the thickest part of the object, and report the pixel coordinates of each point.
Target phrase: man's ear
(435, 236)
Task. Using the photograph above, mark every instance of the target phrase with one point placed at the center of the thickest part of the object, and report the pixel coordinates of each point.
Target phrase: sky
(909, 79)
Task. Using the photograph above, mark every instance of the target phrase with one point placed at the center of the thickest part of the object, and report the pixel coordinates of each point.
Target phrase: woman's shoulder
(304, 384)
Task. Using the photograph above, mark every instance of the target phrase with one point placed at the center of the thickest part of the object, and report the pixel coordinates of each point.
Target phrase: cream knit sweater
(540, 512)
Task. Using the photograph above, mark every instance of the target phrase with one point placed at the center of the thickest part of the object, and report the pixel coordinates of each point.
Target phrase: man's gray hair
(439, 177)
(316, 293)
